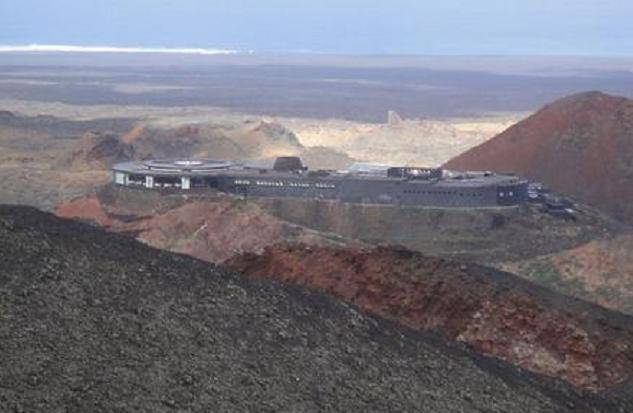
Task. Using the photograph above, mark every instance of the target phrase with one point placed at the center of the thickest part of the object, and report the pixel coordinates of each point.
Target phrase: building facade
(288, 178)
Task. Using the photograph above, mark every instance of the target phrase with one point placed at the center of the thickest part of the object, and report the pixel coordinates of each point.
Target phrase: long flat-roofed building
(431, 187)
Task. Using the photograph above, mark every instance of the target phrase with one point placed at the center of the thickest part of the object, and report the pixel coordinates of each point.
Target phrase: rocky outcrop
(394, 119)
(100, 151)
(581, 146)
(277, 133)
(165, 143)
(496, 313)
(211, 229)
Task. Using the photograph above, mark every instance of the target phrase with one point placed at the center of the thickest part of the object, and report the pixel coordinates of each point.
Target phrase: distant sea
(48, 48)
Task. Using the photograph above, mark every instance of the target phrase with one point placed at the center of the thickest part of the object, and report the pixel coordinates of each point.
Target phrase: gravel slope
(96, 322)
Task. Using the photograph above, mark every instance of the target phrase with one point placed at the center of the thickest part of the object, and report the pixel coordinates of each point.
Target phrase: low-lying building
(289, 178)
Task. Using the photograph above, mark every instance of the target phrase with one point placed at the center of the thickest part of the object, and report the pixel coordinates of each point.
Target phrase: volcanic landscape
(125, 299)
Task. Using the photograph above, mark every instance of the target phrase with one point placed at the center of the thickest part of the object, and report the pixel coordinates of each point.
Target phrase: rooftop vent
(288, 164)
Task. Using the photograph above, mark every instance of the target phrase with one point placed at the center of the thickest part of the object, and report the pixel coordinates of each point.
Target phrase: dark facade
(399, 186)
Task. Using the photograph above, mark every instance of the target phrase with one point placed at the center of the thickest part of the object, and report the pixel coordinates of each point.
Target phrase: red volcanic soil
(209, 230)
(581, 146)
(88, 209)
(496, 313)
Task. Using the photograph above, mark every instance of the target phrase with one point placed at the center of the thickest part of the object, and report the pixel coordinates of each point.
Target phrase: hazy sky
(585, 27)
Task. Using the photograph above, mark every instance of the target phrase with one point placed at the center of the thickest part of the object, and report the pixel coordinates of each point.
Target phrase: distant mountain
(581, 145)
(261, 142)
(57, 128)
(93, 321)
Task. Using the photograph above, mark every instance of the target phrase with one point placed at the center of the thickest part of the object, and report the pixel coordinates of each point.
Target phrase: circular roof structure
(188, 165)
(176, 166)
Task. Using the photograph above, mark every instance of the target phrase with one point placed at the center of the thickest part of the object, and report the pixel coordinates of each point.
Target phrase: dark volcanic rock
(5, 114)
(93, 321)
(109, 150)
(100, 150)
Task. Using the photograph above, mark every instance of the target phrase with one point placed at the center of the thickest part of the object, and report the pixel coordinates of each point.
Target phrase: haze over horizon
(452, 27)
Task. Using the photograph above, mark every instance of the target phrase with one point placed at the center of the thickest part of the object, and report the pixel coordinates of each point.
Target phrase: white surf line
(61, 48)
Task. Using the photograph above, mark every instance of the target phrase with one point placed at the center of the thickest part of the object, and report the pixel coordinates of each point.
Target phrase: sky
(444, 27)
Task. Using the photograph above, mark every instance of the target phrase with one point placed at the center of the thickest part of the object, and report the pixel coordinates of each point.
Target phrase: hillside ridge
(581, 146)
(97, 321)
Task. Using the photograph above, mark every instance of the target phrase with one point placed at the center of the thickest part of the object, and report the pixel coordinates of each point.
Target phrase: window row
(323, 185)
(446, 193)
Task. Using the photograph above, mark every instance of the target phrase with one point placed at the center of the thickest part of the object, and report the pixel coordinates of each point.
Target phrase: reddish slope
(496, 313)
(581, 145)
(211, 230)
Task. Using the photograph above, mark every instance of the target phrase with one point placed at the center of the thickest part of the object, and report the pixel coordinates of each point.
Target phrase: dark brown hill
(581, 145)
(100, 150)
(5, 114)
(260, 143)
(93, 321)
